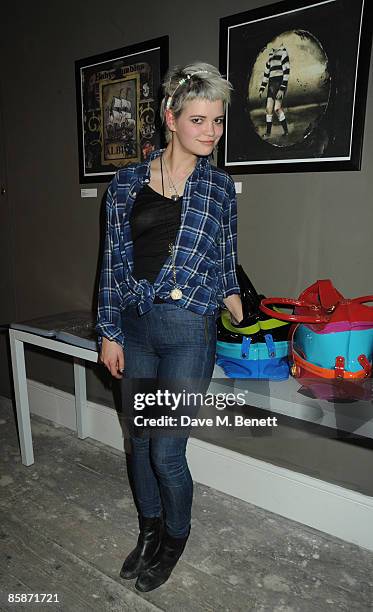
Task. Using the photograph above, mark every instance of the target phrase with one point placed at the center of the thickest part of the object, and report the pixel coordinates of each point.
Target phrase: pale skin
(195, 132)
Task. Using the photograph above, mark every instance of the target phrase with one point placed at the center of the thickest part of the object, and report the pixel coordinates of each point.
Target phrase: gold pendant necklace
(175, 293)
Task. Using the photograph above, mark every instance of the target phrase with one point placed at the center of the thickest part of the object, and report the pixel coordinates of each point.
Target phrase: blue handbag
(321, 348)
(253, 358)
(257, 347)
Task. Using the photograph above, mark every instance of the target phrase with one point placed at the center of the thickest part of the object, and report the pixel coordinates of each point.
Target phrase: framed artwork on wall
(117, 103)
(299, 70)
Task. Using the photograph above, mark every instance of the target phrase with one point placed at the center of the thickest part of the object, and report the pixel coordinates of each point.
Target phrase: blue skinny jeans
(166, 347)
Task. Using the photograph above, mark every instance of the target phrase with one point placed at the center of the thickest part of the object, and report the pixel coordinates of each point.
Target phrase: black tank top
(155, 221)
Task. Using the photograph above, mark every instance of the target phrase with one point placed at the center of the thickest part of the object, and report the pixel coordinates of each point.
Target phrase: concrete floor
(67, 522)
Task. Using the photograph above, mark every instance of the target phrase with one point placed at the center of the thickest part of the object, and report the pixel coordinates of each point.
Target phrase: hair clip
(180, 82)
(201, 72)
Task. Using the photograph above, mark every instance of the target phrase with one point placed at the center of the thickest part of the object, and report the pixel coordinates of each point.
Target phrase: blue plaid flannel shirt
(205, 248)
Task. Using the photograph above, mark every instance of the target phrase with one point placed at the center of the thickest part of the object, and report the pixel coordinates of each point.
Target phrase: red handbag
(321, 303)
(333, 338)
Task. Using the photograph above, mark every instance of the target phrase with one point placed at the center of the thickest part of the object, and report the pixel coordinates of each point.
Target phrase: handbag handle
(362, 299)
(316, 317)
(328, 294)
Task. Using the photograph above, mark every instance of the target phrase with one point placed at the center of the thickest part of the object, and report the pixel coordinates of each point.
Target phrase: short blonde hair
(196, 80)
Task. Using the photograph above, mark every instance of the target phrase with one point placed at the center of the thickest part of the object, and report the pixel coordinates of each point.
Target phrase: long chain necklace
(175, 293)
(171, 186)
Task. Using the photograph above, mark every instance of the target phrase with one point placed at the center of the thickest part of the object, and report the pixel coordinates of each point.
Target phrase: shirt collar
(143, 169)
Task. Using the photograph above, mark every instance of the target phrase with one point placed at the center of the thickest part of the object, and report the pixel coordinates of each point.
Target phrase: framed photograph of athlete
(299, 70)
(118, 95)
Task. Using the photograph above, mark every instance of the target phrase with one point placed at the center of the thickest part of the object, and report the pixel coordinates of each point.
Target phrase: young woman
(169, 265)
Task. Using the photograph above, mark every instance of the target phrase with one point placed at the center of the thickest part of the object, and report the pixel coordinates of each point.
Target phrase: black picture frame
(118, 96)
(318, 52)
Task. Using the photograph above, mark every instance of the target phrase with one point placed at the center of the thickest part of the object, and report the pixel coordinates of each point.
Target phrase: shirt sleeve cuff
(109, 331)
(231, 291)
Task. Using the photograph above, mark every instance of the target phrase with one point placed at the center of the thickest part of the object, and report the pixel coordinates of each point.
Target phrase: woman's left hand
(234, 305)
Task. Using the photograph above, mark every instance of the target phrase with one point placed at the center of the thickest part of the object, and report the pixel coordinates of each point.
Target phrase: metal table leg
(21, 395)
(80, 398)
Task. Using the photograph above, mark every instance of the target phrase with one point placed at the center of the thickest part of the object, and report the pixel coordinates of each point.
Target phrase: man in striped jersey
(276, 77)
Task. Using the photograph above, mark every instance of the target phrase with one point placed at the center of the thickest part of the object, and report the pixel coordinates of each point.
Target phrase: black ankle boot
(147, 545)
(163, 563)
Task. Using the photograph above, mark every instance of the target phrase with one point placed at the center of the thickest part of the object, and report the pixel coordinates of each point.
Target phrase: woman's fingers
(121, 362)
(114, 369)
(112, 357)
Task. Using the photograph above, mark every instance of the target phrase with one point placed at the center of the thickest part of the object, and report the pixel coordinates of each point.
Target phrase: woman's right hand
(112, 356)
